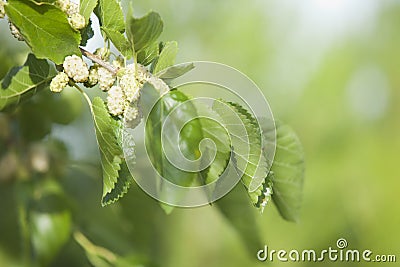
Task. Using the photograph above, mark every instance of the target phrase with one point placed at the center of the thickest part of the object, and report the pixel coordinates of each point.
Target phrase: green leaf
(288, 171)
(247, 146)
(87, 33)
(143, 32)
(175, 71)
(147, 55)
(189, 138)
(86, 8)
(125, 140)
(112, 23)
(120, 41)
(21, 83)
(237, 211)
(110, 15)
(167, 57)
(108, 139)
(215, 132)
(45, 29)
(50, 231)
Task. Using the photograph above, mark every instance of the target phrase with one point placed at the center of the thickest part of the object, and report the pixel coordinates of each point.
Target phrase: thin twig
(85, 96)
(99, 61)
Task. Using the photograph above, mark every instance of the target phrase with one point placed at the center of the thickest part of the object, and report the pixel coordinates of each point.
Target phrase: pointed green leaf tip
(116, 176)
(22, 82)
(45, 29)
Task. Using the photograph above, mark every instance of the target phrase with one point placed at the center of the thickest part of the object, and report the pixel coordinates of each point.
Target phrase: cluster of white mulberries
(123, 99)
(100, 75)
(2, 10)
(123, 88)
(76, 20)
(15, 32)
(59, 82)
(76, 68)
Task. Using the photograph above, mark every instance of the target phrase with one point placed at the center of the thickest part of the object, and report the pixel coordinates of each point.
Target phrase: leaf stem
(84, 95)
(99, 61)
(94, 250)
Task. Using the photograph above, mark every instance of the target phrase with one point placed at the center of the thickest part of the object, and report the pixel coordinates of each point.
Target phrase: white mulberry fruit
(72, 9)
(93, 78)
(130, 87)
(116, 101)
(68, 7)
(59, 82)
(63, 5)
(2, 10)
(76, 68)
(106, 79)
(142, 75)
(15, 32)
(132, 116)
(77, 21)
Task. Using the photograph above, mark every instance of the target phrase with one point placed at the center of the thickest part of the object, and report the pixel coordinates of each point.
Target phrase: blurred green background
(329, 68)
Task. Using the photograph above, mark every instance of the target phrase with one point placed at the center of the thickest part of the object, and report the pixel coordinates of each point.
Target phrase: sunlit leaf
(86, 8)
(21, 83)
(167, 57)
(120, 42)
(110, 15)
(44, 22)
(143, 32)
